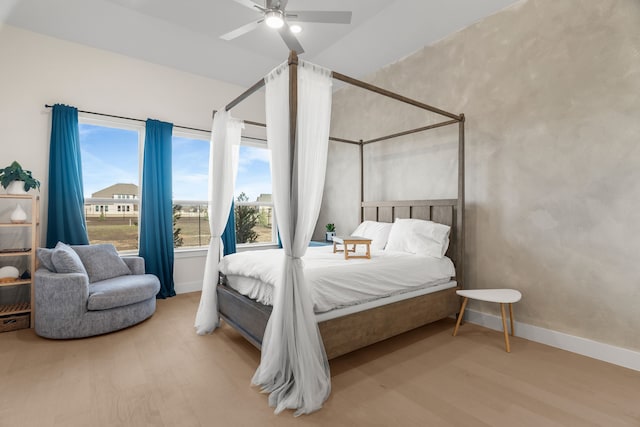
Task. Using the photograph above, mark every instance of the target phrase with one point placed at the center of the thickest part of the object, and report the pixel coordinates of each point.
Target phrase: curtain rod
(131, 118)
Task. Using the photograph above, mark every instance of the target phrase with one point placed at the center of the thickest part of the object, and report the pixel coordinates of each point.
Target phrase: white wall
(551, 92)
(36, 70)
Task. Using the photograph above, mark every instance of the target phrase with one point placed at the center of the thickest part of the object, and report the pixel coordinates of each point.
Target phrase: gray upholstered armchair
(88, 290)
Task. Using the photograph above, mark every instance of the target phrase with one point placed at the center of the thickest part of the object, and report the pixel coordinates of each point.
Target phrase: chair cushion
(66, 260)
(101, 261)
(121, 291)
(44, 257)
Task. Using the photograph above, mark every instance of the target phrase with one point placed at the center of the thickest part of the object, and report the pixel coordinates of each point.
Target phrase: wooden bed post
(361, 180)
(293, 123)
(460, 207)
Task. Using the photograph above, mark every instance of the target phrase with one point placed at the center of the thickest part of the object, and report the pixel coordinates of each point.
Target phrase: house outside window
(110, 153)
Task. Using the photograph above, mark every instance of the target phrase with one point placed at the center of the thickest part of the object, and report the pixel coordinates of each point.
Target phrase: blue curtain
(229, 234)
(65, 214)
(156, 214)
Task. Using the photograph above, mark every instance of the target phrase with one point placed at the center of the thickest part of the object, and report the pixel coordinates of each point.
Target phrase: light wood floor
(161, 373)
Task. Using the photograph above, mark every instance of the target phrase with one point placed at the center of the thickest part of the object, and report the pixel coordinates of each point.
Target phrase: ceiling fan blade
(327, 17)
(290, 40)
(242, 30)
(250, 4)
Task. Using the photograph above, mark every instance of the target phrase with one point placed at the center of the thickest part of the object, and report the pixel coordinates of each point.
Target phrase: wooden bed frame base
(348, 333)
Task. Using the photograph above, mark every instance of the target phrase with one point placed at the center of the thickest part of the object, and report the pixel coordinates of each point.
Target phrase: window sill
(255, 246)
(202, 251)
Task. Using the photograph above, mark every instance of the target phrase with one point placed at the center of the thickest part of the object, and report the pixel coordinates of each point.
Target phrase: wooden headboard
(443, 211)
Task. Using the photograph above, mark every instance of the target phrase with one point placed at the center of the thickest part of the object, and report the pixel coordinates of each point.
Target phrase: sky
(110, 156)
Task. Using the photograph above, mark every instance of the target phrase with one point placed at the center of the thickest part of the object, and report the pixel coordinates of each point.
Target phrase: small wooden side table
(501, 296)
(351, 240)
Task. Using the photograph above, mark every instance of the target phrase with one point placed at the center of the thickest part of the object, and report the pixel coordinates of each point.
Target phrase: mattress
(336, 283)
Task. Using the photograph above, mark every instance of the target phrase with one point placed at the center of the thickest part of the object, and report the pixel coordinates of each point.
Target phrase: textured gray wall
(551, 91)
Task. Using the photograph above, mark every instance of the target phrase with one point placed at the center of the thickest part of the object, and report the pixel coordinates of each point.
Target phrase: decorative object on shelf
(17, 180)
(331, 231)
(13, 323)
(18, 314)
(19, 216)
(9, 272)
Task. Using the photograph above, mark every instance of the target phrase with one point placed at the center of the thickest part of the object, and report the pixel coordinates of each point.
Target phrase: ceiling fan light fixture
(275, 15)
(274, 18)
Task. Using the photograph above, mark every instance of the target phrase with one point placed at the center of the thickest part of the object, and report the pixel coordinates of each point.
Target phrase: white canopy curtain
(223, 167)
(293, 366)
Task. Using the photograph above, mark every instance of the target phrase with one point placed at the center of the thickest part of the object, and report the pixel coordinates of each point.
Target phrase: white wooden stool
(502, 296)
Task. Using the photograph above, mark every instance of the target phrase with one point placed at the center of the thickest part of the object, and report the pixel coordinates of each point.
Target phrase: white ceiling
(184, 34)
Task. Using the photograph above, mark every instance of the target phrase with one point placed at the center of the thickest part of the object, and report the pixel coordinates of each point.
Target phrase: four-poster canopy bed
(358, 327)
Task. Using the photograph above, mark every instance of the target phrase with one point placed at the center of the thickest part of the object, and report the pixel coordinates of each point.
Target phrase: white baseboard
(186, 287)
(594, 349)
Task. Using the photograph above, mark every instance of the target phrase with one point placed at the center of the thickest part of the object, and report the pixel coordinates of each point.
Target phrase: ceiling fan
(275, 16)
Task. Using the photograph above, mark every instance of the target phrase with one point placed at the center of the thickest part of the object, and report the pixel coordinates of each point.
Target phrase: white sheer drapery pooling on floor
(293, 366)
(223, 166)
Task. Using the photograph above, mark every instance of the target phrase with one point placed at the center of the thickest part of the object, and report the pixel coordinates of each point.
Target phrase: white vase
(16, 187)
(18, 216)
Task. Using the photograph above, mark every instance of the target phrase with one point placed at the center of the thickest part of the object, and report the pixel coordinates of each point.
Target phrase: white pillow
(420, 237)
(378, 232)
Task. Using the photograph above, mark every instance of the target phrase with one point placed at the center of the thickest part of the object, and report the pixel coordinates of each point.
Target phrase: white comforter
(334, 281)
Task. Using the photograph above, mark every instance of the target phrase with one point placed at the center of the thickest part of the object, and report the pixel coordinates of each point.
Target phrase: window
(190, 174)
(255, 222)
(253, 205)
(110, 169)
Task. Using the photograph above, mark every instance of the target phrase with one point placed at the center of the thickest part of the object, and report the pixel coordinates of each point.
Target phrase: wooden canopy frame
(344, 334)
(452, 119)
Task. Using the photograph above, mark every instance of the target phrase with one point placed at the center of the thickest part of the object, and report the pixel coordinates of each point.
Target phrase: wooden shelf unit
(15, 253)
(16, 283)
(31, 226)
(21, 307)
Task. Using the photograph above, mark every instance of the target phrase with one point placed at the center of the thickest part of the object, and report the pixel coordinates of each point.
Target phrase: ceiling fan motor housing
(275, 16)
(275, 5)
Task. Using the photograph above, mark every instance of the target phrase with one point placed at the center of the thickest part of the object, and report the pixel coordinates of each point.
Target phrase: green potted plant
(331, 231)
(17, 180)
